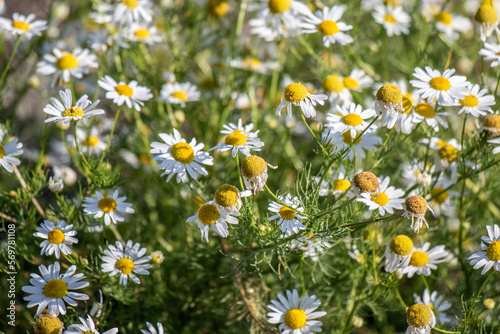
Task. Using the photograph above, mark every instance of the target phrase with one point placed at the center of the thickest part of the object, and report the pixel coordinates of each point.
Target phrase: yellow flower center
(125, 265)
(425, 110)
(333, 84)
(21, 25)
(48, 324)
(217, 8)
(237, 138)
(287, 213)
(107, 204)
(279, 6)
(352, 119)
(341, 185)
(145, 159)
(419, 259)
(390, 18)
(493, 251)
(380, 198)
(390, 93)
(295, 318)
(492, 122)
(445, 18)
(92, 141)
(208, 214)
(253, 166)
(366, 182)
(55, 288)
(351, 83)
(251, 62)
(418, 315)
(416, 204)
(394, 3)
(56, 236)
(295, 92)
(227, 195)
(328, 28)
(448, 153)
(131, 4)
(441, 143)
(180, 95)
(124, 90)
(348, 139)
(443, 195)
(142, 33)
(182, 152)
(407, 104)
(2, 151)
(440, 83)
(73, 112)
(401, 245)
(486, 14)
(469, 101)
(67, 62)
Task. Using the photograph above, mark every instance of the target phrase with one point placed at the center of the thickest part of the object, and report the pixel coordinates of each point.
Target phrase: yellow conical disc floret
(492, 122)
(227, 195)
(217, 8)
(48, 324)
(401, 245)
(21, 25)
(287, 213)
(493, 251)
(486, 13)
(208, 214)
(366, 182)
(448, 153)
(55, 288)
(418, 315)
(390, 93)
(182, 152)
(295, 92)
(125, 265)
(253, 166)
(416, 204)
(380, 198)
(333, 84)
(295, 318)
(279, 6)
(67, 62)
(419, 259)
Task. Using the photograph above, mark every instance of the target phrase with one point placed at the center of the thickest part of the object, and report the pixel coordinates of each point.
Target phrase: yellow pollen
(419, 259)
(48, 324)
(309, 235)
(237, 138)
(142, 33)
(182, 152)
(443, 195)
(251, 62)
(73, 112)
(424, 109)
(144, 159)
(348, 139)
(333, 84)
(341, 185)
(416, 204)
(418, 315)
(407, 104)
(493, 251)
(21, 25)
(448, 153)
(56, 236)
(131, 4)
(492, 122)
(295, 92)
(441, 143)
(352, 119)
(287, 213)
(295, 318)
(394, 3)
(486, 14)
(366, 182)
(67, 62)
(124, 90)
(217, 8)
(55, 288)
(2, 151)
(180, 95)
(92, 141)
(279, 6)
(227, 195)
(440, 83)
(445, 18)
(253, 166)
(208, 214)
(390, 93)
(328, 28)
(380, 198)
(125, 265)
(469, 101)
(390, 18)
(351, 83)
(107, 204)
(401, 245)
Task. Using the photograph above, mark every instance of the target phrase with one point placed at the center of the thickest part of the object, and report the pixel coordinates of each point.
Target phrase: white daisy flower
(491, 52)
(369, 5)
(209, 215)
(21, 25)
(87, 326)
(333, 85)
(491, 141)
(340, 183)
(420, 319)
(296, 94)
(179, 157)
(415, 207)
(365, 182)
(89, 141)
(55, 184)
(98, 306)
(288, 215)
(254, 172)
(367, 142)
(52, 289)
(239, 138)
(8, 153)
(491, 124)
(327, 23)
(441, 200)
(357, 80)
(228, 199)
(130, 11)
(152, 329)
(179, 93)
(385, 200)
(398, 253)
(450, 25)
(489, 257)
(131, 94)
(476, 102)
(64, 64)
(394, 109)
(352, 119)
(66, 112)
(100, 205)
(311, 246)
(444, 88)
(295, 316)
(394, 19)
(414, 173)
(423, 260)
(126, 261)
(436, 303)
(57, 237)
(144, 33)
(486, 19)
(424, 111)
(255, 65)
(446, 159)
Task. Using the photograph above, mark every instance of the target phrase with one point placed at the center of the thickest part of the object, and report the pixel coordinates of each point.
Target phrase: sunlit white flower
(296, 94)
(55, 184)
(340, 182)
(144, 33)
(21, 25)
(254, 172)
(87, 326)
(131, 94)
(100, 205)
(394, 19)
(489, 257)
(491, 52)
(89, 141)
(129, 11)
(443, 87)
(385, 200)
(341, 141)
(179, 93)
(414, 173)
(126, 261)
(436, 303)
(152, 329)
(441, 200)
(398, 253)
(423, 260)
(288, 215)
(338, 94)
(8, 153)
(357, 80)
(415, 207)
(450, 24)
(239, 139)
(424, 111)
(352, 119)
(209, 215)
(446, 159)
(327, 23)
(228, 199)
(476, 102)
(420, 319)
(57, 238)
(486, 20)
(311, 246)
(255, 65)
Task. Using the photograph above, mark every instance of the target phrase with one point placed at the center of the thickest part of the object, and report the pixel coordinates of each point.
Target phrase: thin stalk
(283, 203)
(313, 134)
(6, 69)
(112, 131)
(476, 296)
(239, 171)
(78, 146)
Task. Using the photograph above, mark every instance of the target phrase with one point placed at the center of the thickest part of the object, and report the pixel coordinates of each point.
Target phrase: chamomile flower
(296, 94)
(255, 65)
(288, 215)
(394, 20)
(366, 142)
(424, 111)
(495, 141)
(352, 119)
(476, 102)
(98, 306)
(357, 80)
(57, 238)
(446, 159)
(239, 138)
(423, 260)
(107, 206)
(152, 329)
(129, 11)
(414, 173)
(491, 52)
(443, 87)
(487, 19)
(66, 112)
(180, 158)
(55, 184)
(311, 246)
(87, 326)
(254, 172)
(52, 289)
(92, 141)
(144, 33)
(436, 303)
(489, 257)
(228, 199)
(209, 215)
(126, 261)
(398, 253)
(365, 182)
(491, 124)
(295, 316)
(65, 64)
(340, 183)
(8, 153)
(131, 94)
(415, 207)
(440, 200)
(385, 200)
(450, 25)
(389, 102)
(327, 23)
(334, 86)
(420, 319)
(21, 25)
(179, 93)
(369, 5)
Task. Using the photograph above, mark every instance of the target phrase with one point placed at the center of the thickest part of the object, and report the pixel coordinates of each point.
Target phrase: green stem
(6, 70)
(425, 283)
(476, 296)
(444, 330)
(239, 171)
(314, 135)
(78, 147)
(401, 300)
(112, 131)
